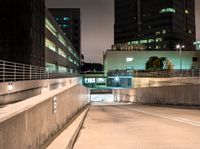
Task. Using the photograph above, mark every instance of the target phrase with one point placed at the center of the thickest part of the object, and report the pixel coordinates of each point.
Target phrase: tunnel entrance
(101, 95)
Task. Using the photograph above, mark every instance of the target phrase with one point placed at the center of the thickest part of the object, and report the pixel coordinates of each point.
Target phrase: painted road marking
(178, 119)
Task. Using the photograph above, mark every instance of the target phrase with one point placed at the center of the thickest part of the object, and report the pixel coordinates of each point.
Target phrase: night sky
(97, 18)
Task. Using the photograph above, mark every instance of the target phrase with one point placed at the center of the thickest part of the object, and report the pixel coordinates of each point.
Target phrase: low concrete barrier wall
(30, 123)
(181, 94)
(22, 90)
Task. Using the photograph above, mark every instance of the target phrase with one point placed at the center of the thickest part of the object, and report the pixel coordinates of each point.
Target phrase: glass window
(50, 45)
(62, 69)
(168, 10)
(70, 59)
(66, 18)
(158, 39)
(61, 39)
(157, 33)
(164, 31)
(50, 27)
(62, 53)
(143, 41)
(51, 67)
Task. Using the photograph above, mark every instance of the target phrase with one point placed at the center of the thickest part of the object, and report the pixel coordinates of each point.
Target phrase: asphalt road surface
(129, 126)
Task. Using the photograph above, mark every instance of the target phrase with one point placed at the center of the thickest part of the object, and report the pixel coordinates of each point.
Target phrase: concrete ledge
(68, 137)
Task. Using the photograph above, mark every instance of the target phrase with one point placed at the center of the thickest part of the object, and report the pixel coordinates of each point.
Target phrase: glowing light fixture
(10, 87)
(117, 79)
(129, 59)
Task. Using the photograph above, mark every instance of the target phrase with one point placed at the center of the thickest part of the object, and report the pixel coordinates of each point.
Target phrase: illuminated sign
(89, 80)
(101, 80)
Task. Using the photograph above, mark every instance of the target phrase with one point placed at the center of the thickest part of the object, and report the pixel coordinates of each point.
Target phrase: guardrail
(10, 71)
(158, 73)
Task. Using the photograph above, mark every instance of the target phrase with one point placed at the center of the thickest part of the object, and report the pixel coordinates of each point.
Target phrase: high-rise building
(70, 22)
(159, 25)
(29, 34)
(22, 31)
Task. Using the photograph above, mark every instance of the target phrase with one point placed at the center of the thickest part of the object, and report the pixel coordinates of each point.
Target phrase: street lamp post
(180, 47)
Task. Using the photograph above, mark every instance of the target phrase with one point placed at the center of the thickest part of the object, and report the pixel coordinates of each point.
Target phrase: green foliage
(91, 67)
(168, 65)
(155, 63)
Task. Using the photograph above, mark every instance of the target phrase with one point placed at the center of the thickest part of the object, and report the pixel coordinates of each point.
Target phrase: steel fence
(10, 71)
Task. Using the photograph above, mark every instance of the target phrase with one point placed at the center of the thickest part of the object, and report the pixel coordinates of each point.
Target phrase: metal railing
(158, 73)
(10, 71)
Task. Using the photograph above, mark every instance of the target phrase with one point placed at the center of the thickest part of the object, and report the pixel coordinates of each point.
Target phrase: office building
(70, 22)
(30, 35)
(22, 31)
(128, 47)
(60, 55)
(159, 25)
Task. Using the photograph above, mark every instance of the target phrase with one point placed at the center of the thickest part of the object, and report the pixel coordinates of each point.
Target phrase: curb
(67, 138)
(76, 133)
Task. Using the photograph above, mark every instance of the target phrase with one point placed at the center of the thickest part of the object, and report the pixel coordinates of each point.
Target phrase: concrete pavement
(139, 127)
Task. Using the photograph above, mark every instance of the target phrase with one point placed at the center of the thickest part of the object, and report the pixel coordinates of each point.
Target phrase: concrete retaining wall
(30, 123)
(181, 94)
(22, 90)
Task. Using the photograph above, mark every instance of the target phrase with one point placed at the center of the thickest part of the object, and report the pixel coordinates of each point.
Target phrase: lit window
(50, 45)
(70, 59)
(65, 18)
(62, 53)
(135, 42)
(168, 10)
(65, 25)
(158, 39)
(129, 59)
(51, 67)
(143, 41)
(50, 27)
(150, 40)
(186, 11)
(163, 31)
(157, 33)
(62, 69)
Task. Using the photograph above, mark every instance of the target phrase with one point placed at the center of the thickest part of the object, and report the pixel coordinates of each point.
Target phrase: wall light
(10, 87)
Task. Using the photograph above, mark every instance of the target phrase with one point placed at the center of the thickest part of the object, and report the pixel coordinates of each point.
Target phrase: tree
(155, 63)
(168, 65)
(91, 67)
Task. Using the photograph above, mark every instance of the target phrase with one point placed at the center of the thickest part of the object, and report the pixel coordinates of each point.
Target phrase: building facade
(136, 60)
(22, 31)
(69, 21)
(60, 55)
(159, 25)
(197, 44)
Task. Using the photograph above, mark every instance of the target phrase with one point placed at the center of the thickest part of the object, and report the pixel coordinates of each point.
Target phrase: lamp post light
(180, 47)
